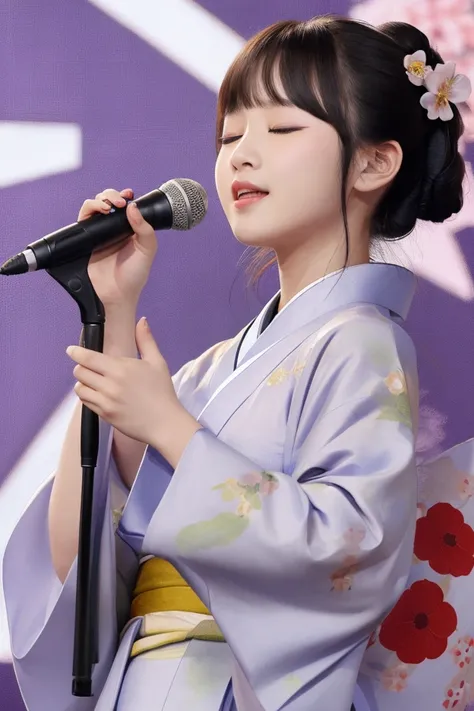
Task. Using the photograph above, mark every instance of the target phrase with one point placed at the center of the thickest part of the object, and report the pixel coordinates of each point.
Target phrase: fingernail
(69, 350)
(133, 205)
(145, 322)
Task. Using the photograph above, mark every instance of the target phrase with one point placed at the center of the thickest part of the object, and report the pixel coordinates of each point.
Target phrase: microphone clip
(74, 278)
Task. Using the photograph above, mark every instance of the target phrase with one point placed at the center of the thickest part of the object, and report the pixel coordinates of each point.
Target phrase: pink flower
(268, 486)
(251, 479)
(445, 87)
(416, 67)
(395, 678)
(396, 383)
(449, 24)
(267, 483)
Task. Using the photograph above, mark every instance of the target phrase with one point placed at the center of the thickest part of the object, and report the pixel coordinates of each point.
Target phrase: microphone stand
(74, 278)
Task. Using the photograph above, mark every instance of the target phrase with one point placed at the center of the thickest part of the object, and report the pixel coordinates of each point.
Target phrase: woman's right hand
(119, 272)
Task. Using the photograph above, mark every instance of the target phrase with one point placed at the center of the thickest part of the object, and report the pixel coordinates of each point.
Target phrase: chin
(254, 238)
(254, 232)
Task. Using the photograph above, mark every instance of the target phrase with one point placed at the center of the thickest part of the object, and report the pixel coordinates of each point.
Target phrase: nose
(246, 154)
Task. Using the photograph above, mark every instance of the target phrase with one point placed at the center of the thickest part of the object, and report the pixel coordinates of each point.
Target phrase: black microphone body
(81, 238)
(181, 204)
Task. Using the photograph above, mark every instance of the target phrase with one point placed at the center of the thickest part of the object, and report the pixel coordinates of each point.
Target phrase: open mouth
(249, 198)
(245, 192)
(250, 195)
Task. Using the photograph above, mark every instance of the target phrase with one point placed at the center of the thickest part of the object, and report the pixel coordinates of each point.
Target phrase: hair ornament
(416, 67)
(444, 86)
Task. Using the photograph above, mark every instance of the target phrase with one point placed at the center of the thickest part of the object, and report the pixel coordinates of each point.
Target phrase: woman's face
(294, 158)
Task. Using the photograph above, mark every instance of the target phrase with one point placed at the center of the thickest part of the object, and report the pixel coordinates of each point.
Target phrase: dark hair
(352, 76)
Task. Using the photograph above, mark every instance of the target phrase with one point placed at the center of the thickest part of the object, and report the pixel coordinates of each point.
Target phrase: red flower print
(419, 625)
(462, 651)
(456, 697)
(445, 541)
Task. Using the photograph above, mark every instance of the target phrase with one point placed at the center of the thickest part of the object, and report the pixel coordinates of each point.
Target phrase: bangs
(289, 63)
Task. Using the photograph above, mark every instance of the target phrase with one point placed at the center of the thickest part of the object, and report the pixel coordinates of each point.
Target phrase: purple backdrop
(145, 120)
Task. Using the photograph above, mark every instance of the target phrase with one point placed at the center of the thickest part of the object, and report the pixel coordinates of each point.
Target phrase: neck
(310, 262)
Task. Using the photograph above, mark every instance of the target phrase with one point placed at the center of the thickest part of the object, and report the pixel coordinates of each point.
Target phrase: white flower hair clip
(443, 84)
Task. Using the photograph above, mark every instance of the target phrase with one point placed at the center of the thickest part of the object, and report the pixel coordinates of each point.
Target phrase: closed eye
(232, 139)
(290, 129)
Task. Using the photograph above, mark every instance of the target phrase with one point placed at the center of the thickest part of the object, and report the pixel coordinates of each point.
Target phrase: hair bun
(441, 193)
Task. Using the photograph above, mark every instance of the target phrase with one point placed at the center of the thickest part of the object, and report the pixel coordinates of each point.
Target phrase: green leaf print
(254, 499)
(397, 409)
(229, 495)
(403, 407)
(218, 531)
(389, 413)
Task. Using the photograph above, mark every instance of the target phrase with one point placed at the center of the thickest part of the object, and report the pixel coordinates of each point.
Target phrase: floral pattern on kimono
(431, 622)
(325, 526)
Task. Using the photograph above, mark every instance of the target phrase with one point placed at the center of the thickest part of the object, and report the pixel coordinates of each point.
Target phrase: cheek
(315, 182)
(222, 178)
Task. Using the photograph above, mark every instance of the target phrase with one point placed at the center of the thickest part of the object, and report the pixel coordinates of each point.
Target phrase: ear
(377, 166)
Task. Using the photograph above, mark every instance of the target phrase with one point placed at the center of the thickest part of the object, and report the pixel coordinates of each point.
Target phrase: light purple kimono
(292, 514)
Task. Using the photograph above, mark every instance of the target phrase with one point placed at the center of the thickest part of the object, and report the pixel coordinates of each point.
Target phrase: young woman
(267, 493)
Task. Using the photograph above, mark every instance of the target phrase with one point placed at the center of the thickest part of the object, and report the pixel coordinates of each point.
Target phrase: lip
(244, 185)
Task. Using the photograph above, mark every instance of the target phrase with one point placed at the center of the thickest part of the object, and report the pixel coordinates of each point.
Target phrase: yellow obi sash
(171, 610)
(160, 588)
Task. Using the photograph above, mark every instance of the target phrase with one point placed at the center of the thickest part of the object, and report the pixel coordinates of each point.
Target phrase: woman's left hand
(135, 396)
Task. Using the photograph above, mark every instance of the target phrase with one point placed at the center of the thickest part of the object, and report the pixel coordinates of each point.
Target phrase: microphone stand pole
(74, 277)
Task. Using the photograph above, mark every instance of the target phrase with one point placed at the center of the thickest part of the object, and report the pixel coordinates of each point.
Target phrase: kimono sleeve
(41, 610)
(299, 567)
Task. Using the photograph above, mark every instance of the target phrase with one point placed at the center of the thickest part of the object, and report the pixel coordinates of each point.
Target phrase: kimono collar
(387, 286)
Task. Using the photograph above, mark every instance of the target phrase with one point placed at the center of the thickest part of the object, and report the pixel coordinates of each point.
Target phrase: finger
(112, 196)
(144, 231)
(127, 193)
(98, 362)
(92, 207)
(89, 397)
(90, 378)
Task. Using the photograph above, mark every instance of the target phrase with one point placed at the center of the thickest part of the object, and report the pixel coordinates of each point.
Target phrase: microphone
(178, 204)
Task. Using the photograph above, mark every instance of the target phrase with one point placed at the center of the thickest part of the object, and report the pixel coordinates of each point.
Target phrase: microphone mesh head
(188, 201)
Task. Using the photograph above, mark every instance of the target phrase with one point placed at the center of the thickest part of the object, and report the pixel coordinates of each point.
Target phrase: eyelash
(231, 139)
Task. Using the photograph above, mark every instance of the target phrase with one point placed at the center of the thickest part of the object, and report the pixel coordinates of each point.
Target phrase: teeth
(246, 192)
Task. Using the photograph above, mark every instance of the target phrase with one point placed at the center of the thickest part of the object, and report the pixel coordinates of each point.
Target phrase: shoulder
(357, 352)
(361, 331)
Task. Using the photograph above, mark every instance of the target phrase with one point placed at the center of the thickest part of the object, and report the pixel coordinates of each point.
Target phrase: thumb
(146, 237)
(146, 344)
